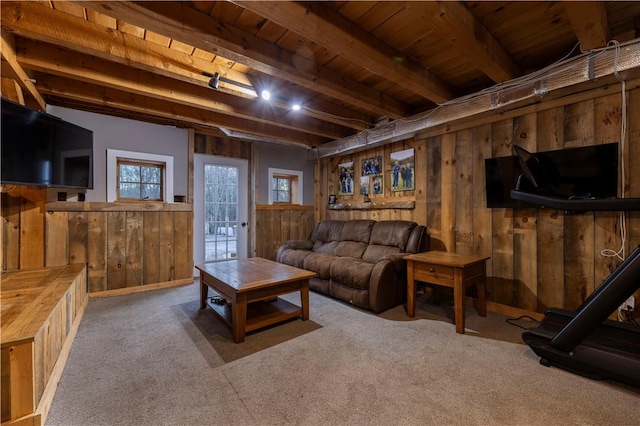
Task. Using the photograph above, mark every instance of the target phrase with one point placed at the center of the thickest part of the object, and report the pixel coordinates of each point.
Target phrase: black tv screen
(501, 176)
(589, 171)
(42, 150)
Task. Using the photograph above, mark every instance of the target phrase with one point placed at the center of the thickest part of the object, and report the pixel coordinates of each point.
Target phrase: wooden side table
(457, 271)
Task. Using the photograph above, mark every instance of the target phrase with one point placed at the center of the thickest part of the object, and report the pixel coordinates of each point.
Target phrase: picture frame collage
(401, 174)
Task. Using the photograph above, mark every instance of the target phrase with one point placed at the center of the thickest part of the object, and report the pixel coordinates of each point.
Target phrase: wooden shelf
(86, 206)
(374, 205)
(260, 314)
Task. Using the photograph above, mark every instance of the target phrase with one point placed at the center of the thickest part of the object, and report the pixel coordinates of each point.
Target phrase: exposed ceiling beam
(457, 25)
(103, 96)
(108, 43)
(607, 64)
(9, 55)
(11, 90)
(75, 66)
(184, 23)
(589, 22)
(327, 28)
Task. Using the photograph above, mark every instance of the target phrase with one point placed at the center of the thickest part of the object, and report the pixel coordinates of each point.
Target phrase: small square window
(139, 180)
(281, 189)
(285, 186)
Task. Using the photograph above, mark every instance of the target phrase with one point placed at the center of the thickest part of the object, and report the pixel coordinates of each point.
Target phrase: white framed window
(139, 176)
(140, 180)
(285, 186)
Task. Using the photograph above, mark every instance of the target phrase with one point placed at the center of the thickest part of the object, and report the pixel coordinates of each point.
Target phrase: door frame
(199, 160)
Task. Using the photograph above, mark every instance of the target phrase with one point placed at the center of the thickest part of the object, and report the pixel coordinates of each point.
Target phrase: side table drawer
(431, 271)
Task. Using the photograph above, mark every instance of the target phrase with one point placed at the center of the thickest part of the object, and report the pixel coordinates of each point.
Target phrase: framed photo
(364, 185)
(345, 178)
(402, 170)
(372, 166)
(378, 188)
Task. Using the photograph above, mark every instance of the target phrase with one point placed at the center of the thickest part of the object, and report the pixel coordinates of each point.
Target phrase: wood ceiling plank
(205, 56)
(131, 29)
(85, 92)
(455, 23)
(404, 29)
(589, 22)
(157, 38)
(378, 15)
(203, 6)
(74, 66)
(181, 47)
(323, 26)
(184, 23)
(32, 20)
(70, 8)
(353, 10)
(271, 32)
(8, 50)
(250, 22)
(226, 12)
(101, 19)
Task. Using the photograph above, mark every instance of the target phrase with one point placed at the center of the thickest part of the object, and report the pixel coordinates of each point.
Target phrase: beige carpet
(155, 359)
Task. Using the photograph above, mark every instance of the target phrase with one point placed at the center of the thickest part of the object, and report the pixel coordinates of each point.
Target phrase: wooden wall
(225, 147)
(42, 309)
(539, 257)
(124, 244)
(276, 224)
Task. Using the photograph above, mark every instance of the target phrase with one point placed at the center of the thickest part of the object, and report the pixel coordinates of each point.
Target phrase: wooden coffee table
(250, 289)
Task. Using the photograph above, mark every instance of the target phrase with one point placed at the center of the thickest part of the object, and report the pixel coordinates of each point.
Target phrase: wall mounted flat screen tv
(589, 171)
(39, 149)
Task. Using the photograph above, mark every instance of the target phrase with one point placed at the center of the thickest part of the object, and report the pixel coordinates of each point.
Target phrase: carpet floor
(156, 359)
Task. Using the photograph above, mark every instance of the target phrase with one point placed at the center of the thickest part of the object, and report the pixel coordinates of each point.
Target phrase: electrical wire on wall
(620, 254)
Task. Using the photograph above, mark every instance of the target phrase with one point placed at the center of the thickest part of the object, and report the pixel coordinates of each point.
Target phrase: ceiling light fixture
(216, 78)
(266, 95)
(295, 107)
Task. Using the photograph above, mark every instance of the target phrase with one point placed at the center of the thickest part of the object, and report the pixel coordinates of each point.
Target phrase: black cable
(511, 321)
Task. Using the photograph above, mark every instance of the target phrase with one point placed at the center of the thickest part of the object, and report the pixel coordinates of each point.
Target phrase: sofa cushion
(294, 257)
(393, 233)
(357, 230)
(327, 235)
(350, 249)
(351, 272)
(375, 252)
(319, 263)
(354, 239)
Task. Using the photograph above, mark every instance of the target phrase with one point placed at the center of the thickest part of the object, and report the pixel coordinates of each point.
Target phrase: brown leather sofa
(358, 261)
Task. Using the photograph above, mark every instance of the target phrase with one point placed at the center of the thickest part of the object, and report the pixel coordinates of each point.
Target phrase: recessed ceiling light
(266, 95)
(295, 107)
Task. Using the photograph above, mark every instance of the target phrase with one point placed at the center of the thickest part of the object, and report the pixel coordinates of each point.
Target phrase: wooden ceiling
(350, 64)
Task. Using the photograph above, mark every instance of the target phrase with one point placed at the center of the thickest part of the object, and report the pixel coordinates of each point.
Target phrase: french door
(220, 208)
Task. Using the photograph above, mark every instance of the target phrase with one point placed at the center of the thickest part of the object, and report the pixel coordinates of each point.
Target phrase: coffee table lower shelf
(260, 314)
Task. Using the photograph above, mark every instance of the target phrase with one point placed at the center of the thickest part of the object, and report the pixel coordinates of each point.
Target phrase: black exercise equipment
(585, 342)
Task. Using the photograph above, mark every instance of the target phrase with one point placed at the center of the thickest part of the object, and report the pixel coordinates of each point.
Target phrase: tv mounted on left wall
(39, 149)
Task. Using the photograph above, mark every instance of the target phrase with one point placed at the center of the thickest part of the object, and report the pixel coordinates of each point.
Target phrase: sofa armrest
(397, 260)
(384, 291)
(419, 240)
(295, 245)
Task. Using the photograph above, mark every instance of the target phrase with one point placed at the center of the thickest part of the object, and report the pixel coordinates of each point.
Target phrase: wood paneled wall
(42, 309)
(539, 257)
(225, 147)
(124, 245)
(276, 224)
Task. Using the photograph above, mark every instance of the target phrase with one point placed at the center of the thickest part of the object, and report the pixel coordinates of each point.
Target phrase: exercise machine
(585, 341)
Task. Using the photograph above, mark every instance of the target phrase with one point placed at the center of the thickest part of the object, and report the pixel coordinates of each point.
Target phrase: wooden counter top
(28, 297)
